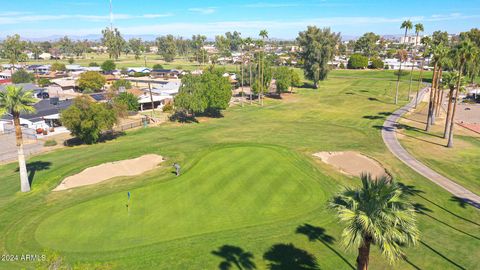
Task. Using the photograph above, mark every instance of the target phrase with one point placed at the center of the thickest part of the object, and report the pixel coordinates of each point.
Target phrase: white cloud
(277, 28)
(30, 18)
(203, 11)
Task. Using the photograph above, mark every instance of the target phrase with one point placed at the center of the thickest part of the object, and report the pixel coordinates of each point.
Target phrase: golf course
(249, 188)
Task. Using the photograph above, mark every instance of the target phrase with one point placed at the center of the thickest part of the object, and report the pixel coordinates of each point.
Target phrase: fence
(130, 125)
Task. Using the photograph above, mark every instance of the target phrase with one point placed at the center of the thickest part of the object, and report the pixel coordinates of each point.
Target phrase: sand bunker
(102, 172)
(352, 163)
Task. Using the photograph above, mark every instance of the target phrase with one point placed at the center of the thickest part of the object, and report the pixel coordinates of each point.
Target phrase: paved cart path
(389, 136)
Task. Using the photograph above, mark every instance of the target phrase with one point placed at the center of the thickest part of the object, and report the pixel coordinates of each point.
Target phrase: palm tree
(264, 35)
(378, 214)
(464, 52)
(418, 28)
(249, 42)
(15, 101)
(426, 42)
(439, 52)
(402, 56)
(407, 25)
(449, 81)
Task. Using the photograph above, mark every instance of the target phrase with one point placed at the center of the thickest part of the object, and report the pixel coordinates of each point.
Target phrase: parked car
(43, 95)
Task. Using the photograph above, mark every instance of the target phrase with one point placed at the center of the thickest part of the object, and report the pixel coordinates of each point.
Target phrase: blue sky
(282, 18)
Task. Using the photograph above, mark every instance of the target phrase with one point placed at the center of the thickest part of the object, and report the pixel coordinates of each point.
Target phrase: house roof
(43, 108)
(135, 91)
(26, 87)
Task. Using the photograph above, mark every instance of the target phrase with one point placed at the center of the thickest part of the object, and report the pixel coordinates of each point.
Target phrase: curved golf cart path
(389, 136)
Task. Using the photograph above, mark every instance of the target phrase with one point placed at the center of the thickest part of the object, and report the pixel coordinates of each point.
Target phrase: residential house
(165, 73)
(46, 114)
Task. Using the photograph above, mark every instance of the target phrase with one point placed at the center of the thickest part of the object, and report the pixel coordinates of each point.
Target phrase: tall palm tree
(418, 28)
(426, 43)
(407, 25)
(14, 101)
(248, 43)
(450, 81)
(264, 35)
(402, 56)
(439, 53)
(464, 52)
(378, 214)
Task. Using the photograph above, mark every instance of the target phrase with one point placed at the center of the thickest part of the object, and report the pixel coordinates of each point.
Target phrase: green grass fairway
(227, 189)
(249, 181)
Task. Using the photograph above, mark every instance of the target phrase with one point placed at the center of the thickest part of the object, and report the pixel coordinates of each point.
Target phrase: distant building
(411, 40)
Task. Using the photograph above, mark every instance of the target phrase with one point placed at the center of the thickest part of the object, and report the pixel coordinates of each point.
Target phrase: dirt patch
(352, 163)
(102, 172)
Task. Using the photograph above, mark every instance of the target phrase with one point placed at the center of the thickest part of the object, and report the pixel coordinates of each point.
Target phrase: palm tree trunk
(241, 66)
(398, 81)
(411, 71)
(419, 82)
(435, 96)
(452, 122)
(250, 82)
(438, 96)
(430, 103)
(22, 166)
(449, 111)
(363, 255)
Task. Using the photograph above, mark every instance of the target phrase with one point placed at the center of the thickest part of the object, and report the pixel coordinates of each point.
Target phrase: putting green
(228, 188)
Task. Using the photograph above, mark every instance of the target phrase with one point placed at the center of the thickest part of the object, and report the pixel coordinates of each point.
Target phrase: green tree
(22, 76)
(283, 79)
(12, 48)
(136, 45)
(378, 214)
(407, 25)
(114, 42)
(317, 50)
(367, 44)
(56, 66)
(91, 81)
(129, 100)
(296, 80)
(357, 61)
(473, 67)
(463, 52)
(377, 63)
(450, 81)
(198, 41)
(223, 45)
(121, 83)
(157, 66)
(43, 82)
(65, 46)
(234, 40)
(87, 120)
(208, 93)
(167, 47)
(15, 100)
(108, 66)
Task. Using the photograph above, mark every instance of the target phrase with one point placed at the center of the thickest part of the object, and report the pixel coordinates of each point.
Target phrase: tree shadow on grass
(105, 137)
(234, 256)
(441, 255)
(35, 166)
(423, 210)
(413, 191)
(464, 202)
(410, 128)
(315, 233)
(289, 257)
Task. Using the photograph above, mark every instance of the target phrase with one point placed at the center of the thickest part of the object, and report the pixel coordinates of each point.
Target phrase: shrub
(58, 67)
(71, 60)
(122, 83)
(43, 82)
(167, 107)
(128, 99)
(357, 61)
(342, 66)
(157, 66)
(93, 64)
(401, 73)
(50, 143)
(377, 63)
(108, 66)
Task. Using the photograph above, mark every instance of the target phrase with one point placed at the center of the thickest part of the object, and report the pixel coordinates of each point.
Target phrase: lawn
(249, 184)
